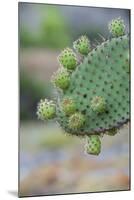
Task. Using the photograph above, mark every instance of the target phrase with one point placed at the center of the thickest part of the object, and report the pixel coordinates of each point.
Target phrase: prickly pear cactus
(93, 95)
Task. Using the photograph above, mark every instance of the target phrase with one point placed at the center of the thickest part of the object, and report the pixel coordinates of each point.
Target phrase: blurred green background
(50, 161)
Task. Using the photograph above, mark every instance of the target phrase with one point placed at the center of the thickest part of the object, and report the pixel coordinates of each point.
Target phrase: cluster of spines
(117, 27)
(68, 106)
(98, 104)
(76, 121)
(61, 79)
(93, 145)
(68, 59)
(82, 45)
(46, 109)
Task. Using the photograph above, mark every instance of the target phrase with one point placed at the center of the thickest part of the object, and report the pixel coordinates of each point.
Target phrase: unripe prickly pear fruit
(46, 109)
(117, 27)
(61, 78)
(82, 45)
(68, 106)
(112, 132)
(76, 121)
(68, 59)
(93, 145)
(98, 104)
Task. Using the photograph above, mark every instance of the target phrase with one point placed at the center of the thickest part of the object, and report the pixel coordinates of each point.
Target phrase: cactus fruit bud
(112, 132)
(76, 121)
(68, 106)
(93, 145)
(46, 109)
(68, 59)
(117, 27)
(98, 104)
(61, 78)
(82, 45)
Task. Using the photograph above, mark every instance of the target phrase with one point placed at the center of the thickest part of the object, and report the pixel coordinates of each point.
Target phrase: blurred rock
(41, 62)
(68, 170)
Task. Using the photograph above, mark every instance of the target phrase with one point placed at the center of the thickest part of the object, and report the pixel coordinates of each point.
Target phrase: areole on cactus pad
(94, 94)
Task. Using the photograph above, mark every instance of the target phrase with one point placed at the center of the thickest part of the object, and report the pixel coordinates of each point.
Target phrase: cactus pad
(102, 73)
(112, 132)
(95, 95)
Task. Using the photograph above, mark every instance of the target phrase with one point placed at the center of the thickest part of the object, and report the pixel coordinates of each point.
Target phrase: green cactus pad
(61, 78)
(82, 45)
(112, 132)
(102, 73)
(46, 109)
(93, 145)
(68, 106)
(68, 59)
(117, 27)
(94, 99)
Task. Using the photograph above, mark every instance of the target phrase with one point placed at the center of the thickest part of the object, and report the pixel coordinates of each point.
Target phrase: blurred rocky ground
(53, 163)
(41, 62)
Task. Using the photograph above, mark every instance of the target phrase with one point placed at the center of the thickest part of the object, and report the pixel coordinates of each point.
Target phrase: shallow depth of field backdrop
(50, 161)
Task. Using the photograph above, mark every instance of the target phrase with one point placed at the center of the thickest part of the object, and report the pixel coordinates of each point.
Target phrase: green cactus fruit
(117, 27)
(61, 79)
(98, 104)
(68, 106)
(46, 109)
(82, 45)
(68, 59)
(112, 132)
(93, 145)
(76, 121)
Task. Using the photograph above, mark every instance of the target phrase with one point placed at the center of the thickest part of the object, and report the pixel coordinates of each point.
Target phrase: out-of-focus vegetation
(27, 38)
(53, 32)
(30, 92)
(54, 29)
